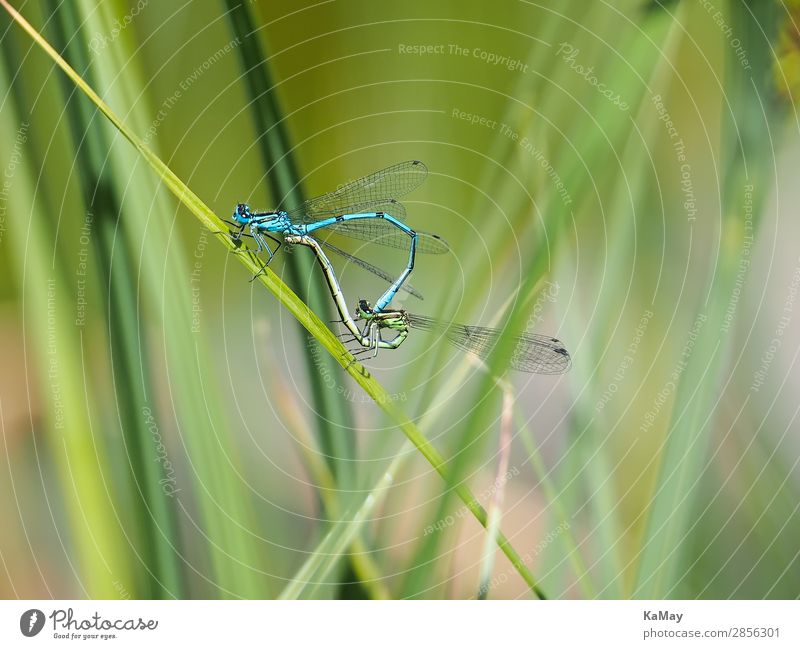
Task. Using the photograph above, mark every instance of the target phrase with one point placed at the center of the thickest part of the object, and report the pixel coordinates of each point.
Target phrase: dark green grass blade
(154, 510)
(332, 414)
(333, 417)
(220, 501)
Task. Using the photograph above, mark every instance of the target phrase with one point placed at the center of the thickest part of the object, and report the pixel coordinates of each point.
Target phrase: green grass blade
(342, 534)
(154, 509)
(364, 566)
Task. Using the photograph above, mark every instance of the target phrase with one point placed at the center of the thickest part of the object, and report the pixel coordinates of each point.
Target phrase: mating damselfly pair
(368, 209)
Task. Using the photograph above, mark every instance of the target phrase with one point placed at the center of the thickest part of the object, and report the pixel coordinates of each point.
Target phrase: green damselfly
(532, 353)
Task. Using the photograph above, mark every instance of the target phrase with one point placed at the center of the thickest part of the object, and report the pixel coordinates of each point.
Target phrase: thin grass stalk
(496, 508)
(575, 170)
(498, 174)
(529, 114)
(342, 534)
(364, 566)
(572, 552)
(598, 128)
(418, 573)
(293, 304)
(472, 441)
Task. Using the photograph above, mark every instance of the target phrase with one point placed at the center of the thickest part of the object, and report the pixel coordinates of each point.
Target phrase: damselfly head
(363, 310)
(242, 213)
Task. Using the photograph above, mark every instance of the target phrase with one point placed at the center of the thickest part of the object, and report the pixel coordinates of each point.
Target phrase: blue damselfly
(366, 209)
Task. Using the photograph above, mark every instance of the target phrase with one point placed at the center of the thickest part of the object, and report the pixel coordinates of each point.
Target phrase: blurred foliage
(633, 234)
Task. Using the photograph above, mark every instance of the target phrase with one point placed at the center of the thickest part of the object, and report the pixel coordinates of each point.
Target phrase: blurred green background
(619, 174)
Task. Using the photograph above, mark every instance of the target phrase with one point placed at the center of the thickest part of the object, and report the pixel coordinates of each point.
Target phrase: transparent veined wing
(385, 233)
(529, 353)
(408, 288)
(381, 186)
(389, 206)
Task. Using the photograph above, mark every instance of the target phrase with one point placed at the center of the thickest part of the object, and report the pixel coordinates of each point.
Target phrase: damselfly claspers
(527, 353)
(365, 209)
